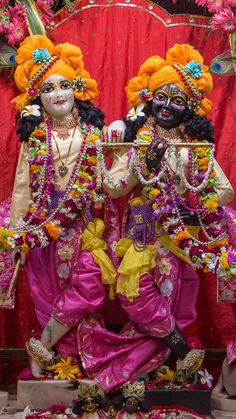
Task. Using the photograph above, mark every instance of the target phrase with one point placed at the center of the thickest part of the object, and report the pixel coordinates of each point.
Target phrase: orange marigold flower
(203, 162)
(92, 160)
(34, 168)
(74, 193)
(181, 236)
(53, 231)
(218, 244)
(213, 174)
(38, 133)
(200, 151)
(143, 149)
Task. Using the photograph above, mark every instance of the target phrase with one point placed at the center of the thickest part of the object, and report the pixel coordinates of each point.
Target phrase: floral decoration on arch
(224, 13)
(14, 24)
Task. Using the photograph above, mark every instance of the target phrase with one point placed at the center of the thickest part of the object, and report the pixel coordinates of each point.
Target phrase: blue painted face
(169, 105)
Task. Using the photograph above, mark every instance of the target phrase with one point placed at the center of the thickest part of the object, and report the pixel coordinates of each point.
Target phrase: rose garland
(44, 223)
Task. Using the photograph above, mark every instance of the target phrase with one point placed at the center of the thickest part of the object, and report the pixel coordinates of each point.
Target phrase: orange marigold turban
(38, 58)
(156, 72)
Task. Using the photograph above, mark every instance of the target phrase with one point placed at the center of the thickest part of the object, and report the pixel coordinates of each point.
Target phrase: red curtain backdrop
(115, 39)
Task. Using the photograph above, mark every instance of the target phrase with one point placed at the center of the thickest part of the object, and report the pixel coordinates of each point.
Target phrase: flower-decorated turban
(184, 67)
(38, 58)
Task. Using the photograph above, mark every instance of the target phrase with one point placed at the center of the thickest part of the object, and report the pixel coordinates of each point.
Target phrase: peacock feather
(224, 64)
(7, 58)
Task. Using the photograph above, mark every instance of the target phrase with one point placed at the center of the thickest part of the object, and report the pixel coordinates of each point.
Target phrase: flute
(169, 144)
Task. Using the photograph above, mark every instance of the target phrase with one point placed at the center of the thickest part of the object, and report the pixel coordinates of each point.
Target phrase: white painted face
(57, 96)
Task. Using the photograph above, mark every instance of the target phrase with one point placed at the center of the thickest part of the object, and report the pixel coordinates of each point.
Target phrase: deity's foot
(192, 361)
(39, 357)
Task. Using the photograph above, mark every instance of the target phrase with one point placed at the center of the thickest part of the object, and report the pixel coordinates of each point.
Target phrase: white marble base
(3, 398)
(40, 395)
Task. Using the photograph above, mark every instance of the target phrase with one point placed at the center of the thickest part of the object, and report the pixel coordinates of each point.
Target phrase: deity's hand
(16, 255)
(155, 153)
(116, 132)
(188, 216)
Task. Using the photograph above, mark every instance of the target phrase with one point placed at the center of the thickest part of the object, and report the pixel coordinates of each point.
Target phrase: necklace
(63, 169)
(62, 126)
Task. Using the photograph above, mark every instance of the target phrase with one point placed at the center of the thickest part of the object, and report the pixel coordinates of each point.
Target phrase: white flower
(166, 288)
(31, 110)
(63, 271)
(206, 378)
(161, 250)
(135, 112)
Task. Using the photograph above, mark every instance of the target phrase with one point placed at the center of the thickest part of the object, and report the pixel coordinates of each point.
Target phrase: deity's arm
(224, 187)
(21, 191)
(119, 171)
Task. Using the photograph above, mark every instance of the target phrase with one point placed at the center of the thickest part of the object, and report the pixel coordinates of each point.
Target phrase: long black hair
(87, 112)
(195, 126)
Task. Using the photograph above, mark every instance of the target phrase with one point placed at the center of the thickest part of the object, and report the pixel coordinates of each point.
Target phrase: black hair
(195, 126)
(198, 127)
(87, 112)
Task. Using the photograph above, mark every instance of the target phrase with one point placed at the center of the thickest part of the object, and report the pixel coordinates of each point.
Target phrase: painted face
(131, 405)
(57, 96)
(89, 404)
(169, 105)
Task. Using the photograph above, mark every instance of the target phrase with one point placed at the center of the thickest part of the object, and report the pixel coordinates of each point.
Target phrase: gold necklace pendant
(63, 170)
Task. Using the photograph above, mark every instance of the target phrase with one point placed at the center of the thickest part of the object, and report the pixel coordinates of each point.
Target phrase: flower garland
(213, 255)
(46, 221)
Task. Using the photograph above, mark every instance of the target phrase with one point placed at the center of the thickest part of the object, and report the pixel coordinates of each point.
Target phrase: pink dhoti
(65, 283)
(167, 295)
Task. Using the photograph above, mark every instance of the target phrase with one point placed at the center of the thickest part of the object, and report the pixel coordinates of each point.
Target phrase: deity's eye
(178, 100)
(160, 96)
(47, 88)
(66, 85)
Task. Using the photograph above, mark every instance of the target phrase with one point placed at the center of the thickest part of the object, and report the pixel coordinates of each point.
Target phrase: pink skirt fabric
(65, 283)
(114, 359)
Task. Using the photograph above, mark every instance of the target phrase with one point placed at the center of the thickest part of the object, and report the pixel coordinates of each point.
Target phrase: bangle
(38, 352)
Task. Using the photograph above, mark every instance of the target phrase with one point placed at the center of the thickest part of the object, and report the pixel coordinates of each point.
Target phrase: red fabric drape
(115, 39)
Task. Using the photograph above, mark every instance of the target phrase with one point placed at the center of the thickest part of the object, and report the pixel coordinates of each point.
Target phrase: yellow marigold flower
(211, 205)
(215, 198)
(93, 138)
(147, 138)
(153, 193)
(84, 175)
(180, 236)
(25, 248)
(136, 202)
(53, 231)
(38, 133)
(43, 152)
(65, 370)
(166, 375)
(155, 206)
(223, 260)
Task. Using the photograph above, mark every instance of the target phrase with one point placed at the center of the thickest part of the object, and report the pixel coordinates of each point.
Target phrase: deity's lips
(165, 113)
(60, 102)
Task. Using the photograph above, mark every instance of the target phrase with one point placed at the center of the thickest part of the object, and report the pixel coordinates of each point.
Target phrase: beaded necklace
(41, 225)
